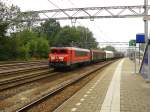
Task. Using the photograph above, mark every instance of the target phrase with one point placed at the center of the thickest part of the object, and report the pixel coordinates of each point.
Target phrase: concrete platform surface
(114, 89)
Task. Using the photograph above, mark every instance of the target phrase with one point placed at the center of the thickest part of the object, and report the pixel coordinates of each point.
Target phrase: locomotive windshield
(63, 51)
(54, 51)
(59, 51)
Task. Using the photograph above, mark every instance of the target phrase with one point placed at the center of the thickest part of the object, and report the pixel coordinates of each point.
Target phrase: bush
(42, 48)
(24, 52)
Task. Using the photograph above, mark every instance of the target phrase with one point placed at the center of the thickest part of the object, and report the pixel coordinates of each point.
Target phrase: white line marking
(88, 92)
(112, 98)
(78, 104)
(85, 95)
(90, 89)
(82, 99)
(73, 109)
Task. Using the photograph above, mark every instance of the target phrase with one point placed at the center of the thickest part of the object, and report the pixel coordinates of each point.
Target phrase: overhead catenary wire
(72, 3)
(59, 8)
(102, 32)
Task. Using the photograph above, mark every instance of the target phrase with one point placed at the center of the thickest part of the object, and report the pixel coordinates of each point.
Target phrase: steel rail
(21, 63)
(13, 62)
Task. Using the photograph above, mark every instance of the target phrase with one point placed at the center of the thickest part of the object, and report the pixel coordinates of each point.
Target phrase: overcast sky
(103, 29)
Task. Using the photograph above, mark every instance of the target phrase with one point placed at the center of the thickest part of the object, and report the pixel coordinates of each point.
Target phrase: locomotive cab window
(54, 51)
(63, 51)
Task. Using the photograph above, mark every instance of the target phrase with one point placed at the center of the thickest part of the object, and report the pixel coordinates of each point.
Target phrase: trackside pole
(135, 60)
(139, 53)
(148, 62)
(146, 36)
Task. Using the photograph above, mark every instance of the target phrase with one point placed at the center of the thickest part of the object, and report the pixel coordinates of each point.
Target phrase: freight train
(60, 57)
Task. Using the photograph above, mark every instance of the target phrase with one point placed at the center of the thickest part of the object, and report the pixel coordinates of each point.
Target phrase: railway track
(26, 72)
(15, 62)
(56, 89)
(9, 66)
(4, 73)
(26, 78)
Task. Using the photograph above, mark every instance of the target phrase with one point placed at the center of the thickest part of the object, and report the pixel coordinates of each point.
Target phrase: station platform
(115, 89)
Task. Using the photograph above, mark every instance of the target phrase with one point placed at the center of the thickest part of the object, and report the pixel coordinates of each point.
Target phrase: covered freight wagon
(98, 55)
(109, 55)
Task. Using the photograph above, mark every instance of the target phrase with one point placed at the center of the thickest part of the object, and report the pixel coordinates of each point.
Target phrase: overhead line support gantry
(91, 13)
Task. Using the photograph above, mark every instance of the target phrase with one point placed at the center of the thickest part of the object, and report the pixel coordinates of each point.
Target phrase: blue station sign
(140, 38)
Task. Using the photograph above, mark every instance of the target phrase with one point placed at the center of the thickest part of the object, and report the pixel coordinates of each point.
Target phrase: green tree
(4, 55)
(42, 48)
(66, 36)
(15, 45)
(78, 36)
(49, 29)
(26, 36)
(29, 19)
(24, 52)
(33, 47)
(86, 38)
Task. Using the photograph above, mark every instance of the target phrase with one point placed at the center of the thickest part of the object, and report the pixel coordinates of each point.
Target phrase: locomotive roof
(97, 50)
(71, 48)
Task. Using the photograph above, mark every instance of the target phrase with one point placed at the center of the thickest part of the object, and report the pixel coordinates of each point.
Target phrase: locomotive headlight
(52, 57)
(61, 58)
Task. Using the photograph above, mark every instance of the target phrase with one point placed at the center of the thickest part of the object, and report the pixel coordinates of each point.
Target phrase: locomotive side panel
(80, 56)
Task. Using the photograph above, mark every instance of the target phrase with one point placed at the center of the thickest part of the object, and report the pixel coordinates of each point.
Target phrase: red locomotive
(72, 56)
(68, 56)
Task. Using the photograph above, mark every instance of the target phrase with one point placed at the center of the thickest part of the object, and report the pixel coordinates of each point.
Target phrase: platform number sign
(132, 43)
